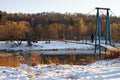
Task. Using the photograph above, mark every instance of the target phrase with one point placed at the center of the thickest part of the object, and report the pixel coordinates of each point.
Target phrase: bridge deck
(111, 48)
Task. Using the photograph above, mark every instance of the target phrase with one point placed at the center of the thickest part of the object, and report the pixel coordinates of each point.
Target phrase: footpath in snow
(100, 70)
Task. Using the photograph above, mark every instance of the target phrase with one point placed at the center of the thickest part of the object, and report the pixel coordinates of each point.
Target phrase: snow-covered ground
(100, 70)
(42, 46)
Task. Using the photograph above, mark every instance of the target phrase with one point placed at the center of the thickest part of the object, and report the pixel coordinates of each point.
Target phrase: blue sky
(62, 6)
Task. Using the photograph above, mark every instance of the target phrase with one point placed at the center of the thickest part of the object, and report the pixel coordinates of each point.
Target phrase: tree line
(44, 26)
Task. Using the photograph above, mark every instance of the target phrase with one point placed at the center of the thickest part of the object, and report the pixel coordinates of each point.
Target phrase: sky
(61, 6)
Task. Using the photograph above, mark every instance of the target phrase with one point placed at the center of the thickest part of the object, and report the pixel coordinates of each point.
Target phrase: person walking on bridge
(92, 38)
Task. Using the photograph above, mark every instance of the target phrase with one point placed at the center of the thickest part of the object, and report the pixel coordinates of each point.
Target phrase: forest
(51, 26)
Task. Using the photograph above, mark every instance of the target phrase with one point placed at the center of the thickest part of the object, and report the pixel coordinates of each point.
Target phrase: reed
(112, 54)
(33, 59)
(7, 59)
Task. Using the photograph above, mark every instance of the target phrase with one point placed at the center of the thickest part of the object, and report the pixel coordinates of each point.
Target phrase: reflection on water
(63, 52)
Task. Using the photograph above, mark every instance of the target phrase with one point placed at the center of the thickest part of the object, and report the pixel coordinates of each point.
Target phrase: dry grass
(73, 59)
(112, 54)
(15, 59)
(33, 59)
(7, 59)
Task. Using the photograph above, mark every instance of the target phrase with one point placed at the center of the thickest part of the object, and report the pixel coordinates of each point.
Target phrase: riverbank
(33, 59)
(100, 70)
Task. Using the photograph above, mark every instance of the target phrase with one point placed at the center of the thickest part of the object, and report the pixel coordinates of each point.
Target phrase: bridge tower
(98, 31)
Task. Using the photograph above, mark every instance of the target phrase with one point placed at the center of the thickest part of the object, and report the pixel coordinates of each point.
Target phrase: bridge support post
(98, 31)
(108, 40)
(97, 34)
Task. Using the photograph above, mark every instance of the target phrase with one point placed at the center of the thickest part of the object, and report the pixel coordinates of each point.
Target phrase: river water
(61, 52)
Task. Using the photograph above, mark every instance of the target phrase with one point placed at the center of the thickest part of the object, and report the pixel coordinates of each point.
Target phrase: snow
(100, 70)
(42, 46)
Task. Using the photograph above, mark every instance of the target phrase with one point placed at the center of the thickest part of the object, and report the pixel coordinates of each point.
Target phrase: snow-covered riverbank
(100, 70)
(41, 45)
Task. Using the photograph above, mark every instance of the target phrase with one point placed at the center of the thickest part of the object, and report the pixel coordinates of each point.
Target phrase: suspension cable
(113, 13)
(118, 22)
(90, 12)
